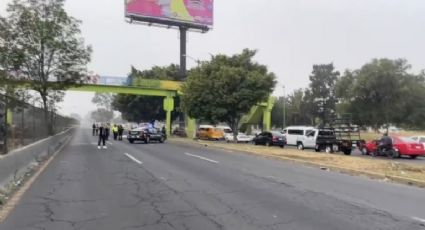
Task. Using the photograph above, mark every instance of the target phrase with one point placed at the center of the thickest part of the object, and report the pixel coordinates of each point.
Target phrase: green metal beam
(148, 88)
(124, 90)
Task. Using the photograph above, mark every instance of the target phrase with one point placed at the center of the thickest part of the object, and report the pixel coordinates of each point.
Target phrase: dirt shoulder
(380, 169)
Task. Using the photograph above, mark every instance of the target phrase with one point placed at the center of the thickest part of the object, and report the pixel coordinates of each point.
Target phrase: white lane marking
(202, 158)
(418, 219)
(133, 158)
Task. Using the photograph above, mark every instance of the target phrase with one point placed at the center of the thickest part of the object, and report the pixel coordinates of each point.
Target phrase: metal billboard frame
(169, 23)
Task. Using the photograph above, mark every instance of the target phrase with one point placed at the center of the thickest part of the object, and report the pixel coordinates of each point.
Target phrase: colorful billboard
(198, 12)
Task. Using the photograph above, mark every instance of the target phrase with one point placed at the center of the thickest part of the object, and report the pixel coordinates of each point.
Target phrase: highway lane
(169, 186)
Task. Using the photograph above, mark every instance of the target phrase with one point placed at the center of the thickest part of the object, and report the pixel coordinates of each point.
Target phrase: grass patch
(354, 165)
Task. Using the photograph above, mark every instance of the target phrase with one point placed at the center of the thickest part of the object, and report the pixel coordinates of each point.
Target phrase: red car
(404, 146)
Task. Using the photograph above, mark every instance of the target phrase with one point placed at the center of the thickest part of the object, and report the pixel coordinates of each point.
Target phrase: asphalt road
(168, 186)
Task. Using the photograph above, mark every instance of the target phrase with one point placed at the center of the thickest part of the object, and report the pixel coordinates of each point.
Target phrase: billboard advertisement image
(198, 12)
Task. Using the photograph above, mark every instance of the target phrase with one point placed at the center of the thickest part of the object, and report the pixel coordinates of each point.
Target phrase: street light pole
(284, 108)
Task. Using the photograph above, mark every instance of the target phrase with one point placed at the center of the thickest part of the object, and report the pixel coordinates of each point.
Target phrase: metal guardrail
(24, 124)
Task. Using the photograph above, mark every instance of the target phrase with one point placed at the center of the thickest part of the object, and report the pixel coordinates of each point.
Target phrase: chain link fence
(24, 124)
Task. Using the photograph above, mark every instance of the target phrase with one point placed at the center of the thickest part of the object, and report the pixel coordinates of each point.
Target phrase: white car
(241, 137)
(419, 139)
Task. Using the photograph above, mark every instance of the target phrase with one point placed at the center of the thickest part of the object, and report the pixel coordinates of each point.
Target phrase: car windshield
(407, 139)
(276, 133)
(227, 131)
(326, 133)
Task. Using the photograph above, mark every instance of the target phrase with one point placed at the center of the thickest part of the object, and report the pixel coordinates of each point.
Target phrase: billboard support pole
(183, 31)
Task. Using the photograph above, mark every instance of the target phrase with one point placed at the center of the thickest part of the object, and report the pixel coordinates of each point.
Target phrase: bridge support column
(190, 127)
(168, 107)
(267, 114)
(267, 117)
(9, 116)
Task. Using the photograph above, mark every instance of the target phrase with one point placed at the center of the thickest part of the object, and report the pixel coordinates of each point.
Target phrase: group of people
(103, 131)
(117, 131)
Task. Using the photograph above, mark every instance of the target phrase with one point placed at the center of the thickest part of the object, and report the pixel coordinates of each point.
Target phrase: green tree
(138, 108)
(46, 46)
(102, 115)
(381, 93)
(411, 109)
(298, 109)
(103, 100)
(277, 112)
(225, 88)
(322, 91)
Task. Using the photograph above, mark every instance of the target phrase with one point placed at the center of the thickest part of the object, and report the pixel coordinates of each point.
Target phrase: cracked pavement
(86, 188)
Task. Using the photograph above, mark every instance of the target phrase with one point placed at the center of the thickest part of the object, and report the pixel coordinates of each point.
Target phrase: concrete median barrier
(15, 164)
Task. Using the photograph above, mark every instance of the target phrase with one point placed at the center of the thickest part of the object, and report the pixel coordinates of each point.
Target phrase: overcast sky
(290, 36)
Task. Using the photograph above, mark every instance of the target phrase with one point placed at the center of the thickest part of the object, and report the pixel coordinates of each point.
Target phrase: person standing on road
(115, 132)
(97, 129)
(102, 137)
(164, 132)
(107, 128)
(94, 129)
(120, 132)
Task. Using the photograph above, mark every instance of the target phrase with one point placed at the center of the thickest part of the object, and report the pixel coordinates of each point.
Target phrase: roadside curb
(20, 191)
(398, 179)
(15, 164)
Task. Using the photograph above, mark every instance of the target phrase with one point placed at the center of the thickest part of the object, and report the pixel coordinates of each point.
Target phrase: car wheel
(300, 146)
(328, 149)
(395, 154)
(347, 151)
(317, 148)
(255, 143)
(147, 139)
(161, 140)
(413, 156)
(131, 141)
(282, 146)
(268, 143)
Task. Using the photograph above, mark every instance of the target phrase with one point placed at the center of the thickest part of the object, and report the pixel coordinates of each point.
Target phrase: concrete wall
(16, 163)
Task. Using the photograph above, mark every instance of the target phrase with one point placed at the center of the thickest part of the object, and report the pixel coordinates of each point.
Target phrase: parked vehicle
(294, 134)
(209, 132)
(225, 129)
(319, 139)
(270, 138)
(241, 137)
(419, 139)
(347, 134)
(146, 135)
(180, 132)
(403, 146)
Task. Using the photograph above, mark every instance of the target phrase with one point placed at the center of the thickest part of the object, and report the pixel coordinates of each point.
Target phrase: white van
(294, 134)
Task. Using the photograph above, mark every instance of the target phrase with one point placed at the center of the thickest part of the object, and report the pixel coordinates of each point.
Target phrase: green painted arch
(124, 90)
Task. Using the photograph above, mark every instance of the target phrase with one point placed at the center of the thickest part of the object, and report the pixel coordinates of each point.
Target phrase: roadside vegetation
(381, 93)
(39, 43)
(380, 168)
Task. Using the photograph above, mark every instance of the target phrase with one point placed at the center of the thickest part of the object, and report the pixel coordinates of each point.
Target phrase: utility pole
(284, 108)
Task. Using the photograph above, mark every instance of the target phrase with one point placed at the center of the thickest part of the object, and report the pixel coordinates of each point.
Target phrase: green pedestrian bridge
(168, 90)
